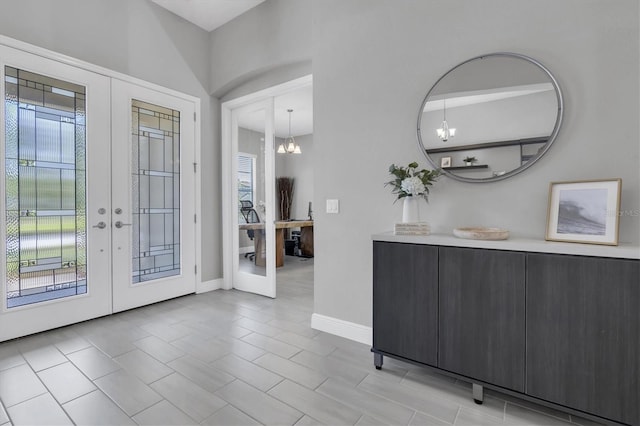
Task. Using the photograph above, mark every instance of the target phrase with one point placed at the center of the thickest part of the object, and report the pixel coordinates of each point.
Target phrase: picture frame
(445, 162)
(584, 211)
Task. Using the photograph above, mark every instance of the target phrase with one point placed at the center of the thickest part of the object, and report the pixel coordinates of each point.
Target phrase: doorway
(98, 194)
(252, 252)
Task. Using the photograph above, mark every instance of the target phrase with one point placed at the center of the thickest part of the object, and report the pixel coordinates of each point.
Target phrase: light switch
(333, 206)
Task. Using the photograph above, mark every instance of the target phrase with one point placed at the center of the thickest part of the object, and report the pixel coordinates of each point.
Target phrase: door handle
(120, 224)
(100, 225)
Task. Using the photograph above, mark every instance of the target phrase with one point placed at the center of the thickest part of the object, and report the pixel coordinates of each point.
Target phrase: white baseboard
(346, 329)
(210, 285)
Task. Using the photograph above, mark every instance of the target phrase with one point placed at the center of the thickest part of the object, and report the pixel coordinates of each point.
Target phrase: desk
(306, 239)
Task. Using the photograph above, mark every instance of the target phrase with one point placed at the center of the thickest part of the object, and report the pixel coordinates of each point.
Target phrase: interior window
(246, 180)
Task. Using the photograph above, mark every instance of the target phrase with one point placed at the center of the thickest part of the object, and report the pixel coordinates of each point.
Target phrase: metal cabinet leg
(478, 394)
(377, 360)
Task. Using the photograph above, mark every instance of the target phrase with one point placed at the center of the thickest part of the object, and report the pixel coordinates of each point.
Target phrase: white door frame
(229, 198)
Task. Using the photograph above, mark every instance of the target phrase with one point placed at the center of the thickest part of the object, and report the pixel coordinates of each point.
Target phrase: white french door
(252, 132)
(55, 135)
(98, 193)
(153, 196)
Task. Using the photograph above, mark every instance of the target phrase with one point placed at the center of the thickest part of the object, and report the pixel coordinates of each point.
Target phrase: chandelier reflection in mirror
(289, 146)
(445, 132)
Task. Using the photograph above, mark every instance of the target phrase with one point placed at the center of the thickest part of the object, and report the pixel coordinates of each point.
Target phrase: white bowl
(481, 233)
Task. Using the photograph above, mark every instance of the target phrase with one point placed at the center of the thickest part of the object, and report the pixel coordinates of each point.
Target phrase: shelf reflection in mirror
(507, 109)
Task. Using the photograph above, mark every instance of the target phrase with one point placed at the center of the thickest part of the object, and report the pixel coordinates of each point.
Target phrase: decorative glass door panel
(45, 188)
(54, 136)
(155, 143)
(153, 183)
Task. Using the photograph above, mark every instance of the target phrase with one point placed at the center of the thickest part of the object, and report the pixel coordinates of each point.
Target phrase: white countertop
(622, 251)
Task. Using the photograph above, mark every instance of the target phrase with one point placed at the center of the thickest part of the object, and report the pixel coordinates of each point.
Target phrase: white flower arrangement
(410, 182)
(413, 186)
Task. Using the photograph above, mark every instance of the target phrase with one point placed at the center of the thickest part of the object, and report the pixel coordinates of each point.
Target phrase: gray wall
(299, 167)
(373, 62)
(267, 45)
(140, 39)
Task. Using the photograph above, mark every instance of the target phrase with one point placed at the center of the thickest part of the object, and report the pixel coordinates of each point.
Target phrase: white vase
(411, 209)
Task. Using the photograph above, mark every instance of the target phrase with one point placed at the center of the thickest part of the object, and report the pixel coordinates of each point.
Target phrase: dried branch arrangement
(284, 186)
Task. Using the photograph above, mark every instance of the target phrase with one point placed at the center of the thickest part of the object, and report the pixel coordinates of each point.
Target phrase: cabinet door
(482, 315)
(405, 300)
(583, 334)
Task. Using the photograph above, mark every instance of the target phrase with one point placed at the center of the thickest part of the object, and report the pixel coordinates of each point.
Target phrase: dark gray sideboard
(560, 329)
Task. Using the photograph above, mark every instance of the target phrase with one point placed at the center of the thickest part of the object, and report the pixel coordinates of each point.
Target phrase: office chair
(250, 216)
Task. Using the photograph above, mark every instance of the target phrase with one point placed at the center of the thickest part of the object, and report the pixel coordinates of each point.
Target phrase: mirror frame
(522, 167)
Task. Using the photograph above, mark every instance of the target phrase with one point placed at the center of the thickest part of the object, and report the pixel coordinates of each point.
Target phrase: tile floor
(230, 358)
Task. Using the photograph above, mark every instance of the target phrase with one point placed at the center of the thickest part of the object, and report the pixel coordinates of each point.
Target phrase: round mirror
(490, 117)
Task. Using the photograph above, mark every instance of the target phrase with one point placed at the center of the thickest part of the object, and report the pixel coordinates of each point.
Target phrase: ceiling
(300, 101)
(461, 99)
(208, 14)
